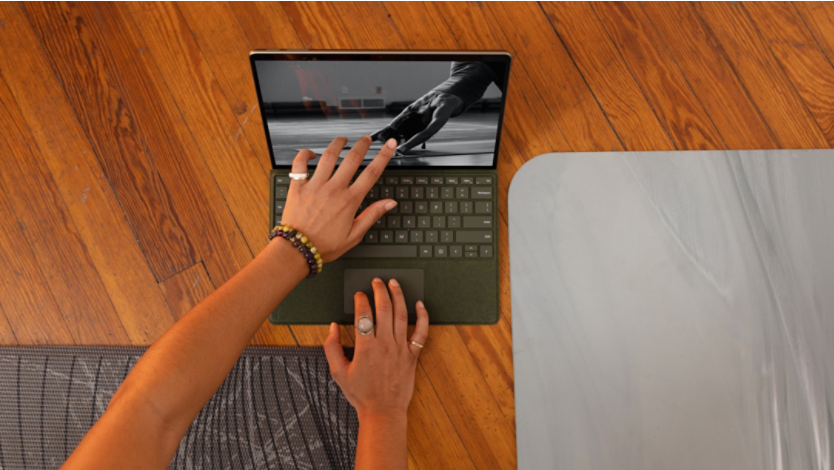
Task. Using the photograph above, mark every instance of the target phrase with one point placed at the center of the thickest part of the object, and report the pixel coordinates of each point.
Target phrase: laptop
(446, 110)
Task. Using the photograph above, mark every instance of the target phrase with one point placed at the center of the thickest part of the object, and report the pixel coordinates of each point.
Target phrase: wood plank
(764, 80)
(710, 75)
(185, 290)
(55, 243)
(266, 25)
(308, 20)
(226, 49)
(98, 218)
(819, 18)
(6, 334)
(603, 69)
(31, 310)
(79, 57)
(658, 76)
(801, 58)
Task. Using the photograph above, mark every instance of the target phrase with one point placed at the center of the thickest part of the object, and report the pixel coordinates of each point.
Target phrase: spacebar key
(382, 251)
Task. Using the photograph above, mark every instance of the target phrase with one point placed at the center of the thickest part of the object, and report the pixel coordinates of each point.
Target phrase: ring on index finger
(365, 325)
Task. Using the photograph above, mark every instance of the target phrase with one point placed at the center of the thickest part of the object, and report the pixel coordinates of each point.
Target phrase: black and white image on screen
(442, 113)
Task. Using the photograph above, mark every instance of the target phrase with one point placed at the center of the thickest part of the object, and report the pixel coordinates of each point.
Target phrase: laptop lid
(444, 108)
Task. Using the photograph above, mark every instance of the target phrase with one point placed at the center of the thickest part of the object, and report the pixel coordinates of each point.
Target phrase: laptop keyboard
(436, 217)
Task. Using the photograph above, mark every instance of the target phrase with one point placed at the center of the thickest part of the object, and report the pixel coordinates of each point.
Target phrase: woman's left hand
(323, 207)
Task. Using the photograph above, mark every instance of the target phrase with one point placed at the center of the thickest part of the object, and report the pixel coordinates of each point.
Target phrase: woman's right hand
(323, 207)
(379, 382)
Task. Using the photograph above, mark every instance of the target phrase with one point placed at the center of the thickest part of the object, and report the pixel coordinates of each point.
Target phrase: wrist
(389, 418)
(288, 258)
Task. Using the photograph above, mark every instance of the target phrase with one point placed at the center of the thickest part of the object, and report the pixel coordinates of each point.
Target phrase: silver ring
(365, 325)
(299, 176)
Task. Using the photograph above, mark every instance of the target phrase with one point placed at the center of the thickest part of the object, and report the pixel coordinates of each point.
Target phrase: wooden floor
(134, 164)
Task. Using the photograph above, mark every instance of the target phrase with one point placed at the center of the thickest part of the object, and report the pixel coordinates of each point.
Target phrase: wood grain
(187, 289)
(819, 19)
(99, 219)
(603, 69)
(800, 56)
(659, 77)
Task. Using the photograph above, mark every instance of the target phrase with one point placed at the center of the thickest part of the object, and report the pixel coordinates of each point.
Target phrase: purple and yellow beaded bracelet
(301, 242)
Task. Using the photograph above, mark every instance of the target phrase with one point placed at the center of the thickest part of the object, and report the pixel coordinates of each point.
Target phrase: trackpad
(359, 280)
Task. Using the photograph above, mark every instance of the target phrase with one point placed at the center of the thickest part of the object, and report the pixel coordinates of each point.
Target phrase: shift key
(477, 222)
(473, 236)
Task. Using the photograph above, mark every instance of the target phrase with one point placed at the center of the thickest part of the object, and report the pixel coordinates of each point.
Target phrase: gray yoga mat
(278, 409)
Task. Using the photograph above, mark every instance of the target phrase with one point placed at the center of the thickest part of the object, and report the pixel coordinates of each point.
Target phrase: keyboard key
(402, 192)
(482, 193)
(438, 221)
(453, 221)
(417, 192)
(447, 236)
(279, 207)
(436, 180)
(455, 251)
(282, 180)
(423, 221)
(386, 236)
(431, 236)
(471, 254)
(483, 180)
(471, 247)
(466, 180)
(466, 207)
(394, 221)
(447, 192)
(425, 251)
(431, 192)
(406, 207)
(422, 180)
(486, 251)
(409, 221)
(436, 207)
(416, 236)
(407, 180)
(380, 223)
(483, 207)
(386, 192)
(401, 236)
(391, 180)
(462, 192)
(281, 192)
(477, 221)
(451, 207)
(440, 251)
(421, 207)
(382, 251)
(451, 180)
(371, 236)
(373, 193)
(473, 236)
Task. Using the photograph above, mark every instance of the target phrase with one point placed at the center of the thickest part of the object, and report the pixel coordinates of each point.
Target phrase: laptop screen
(444, 109)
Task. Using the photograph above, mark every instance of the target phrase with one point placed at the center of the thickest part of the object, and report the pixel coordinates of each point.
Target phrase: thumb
(366, 219)
(334, 352)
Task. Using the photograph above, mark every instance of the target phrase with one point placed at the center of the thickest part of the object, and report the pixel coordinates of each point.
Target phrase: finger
(384, 313)
(299, 165)
(421, 329)
(368, 217)
(335, 354)
(400, 311)
(373, 171)
(352, 161)
(328, 160)
(362, 308)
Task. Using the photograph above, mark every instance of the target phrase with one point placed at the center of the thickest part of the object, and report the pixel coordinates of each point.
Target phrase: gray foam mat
(278, 409)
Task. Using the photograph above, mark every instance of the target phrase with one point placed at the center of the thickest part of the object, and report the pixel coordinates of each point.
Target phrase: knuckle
(373, 172)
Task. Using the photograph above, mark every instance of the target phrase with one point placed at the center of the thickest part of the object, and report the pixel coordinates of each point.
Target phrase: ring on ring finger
(365, 325)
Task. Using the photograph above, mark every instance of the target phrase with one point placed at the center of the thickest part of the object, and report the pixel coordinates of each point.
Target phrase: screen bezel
(384, 56)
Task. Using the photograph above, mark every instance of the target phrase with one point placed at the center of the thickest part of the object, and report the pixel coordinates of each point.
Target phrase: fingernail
(392, 143)
(394, 283)
(376, 279)
(390, 205)
(333, 327)
(420, 304)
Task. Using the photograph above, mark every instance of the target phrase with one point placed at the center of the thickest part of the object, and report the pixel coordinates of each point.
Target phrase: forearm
(382, 443)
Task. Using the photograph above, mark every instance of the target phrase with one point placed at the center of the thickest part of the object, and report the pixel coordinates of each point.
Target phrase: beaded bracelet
(301, 242)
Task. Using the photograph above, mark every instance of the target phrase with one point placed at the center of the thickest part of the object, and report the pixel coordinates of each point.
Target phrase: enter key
(477, 222)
